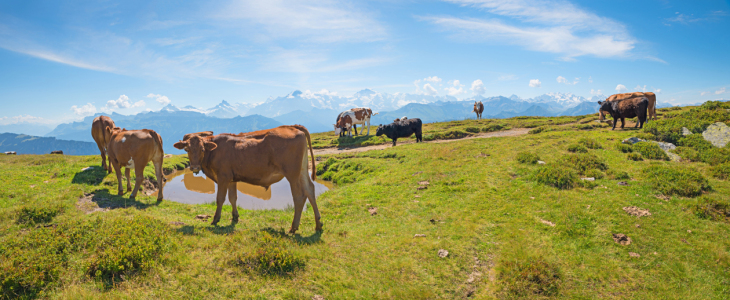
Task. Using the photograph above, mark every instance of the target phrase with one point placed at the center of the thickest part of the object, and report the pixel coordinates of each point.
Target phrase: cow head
(605, 108)
(338, 130)
(380, 130)
(196, 147)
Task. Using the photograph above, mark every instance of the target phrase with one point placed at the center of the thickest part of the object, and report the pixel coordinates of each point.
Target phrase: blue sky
(63, 60)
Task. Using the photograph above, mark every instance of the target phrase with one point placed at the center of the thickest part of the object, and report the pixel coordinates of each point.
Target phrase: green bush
(472, 129)
(583, 162)
(595, 174)
(696, 120)
(273, 256)
(493, 127)
(650, 150)
(323, 166)
(715, 156)
(621, 175)
(590, 143)
(696, 142)
(127, 245)
(30, 263)
(556, 175)
(625, 148)
(576, 148)
(646, 136)
(722, 171)
(687, 153)
(536, 130)
(529, 277)
(634, 157)
(712, 209)
(676, 181)
(37, 213)
(527, 158)
(449, 135)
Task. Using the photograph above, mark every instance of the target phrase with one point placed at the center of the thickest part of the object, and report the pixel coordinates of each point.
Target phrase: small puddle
(186, 187)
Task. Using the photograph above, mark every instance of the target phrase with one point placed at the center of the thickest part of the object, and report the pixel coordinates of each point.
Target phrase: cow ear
(180, 145)
(210, 146)
(600, 102)
(109, 130)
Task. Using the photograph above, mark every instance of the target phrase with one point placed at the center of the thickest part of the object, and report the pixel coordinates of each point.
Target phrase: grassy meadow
(513, 228)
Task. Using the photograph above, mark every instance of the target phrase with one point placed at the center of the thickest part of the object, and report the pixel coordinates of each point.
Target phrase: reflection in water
(186, 187)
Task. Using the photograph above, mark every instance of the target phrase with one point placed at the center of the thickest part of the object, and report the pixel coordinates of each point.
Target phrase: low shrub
(696, 142)
(323, 166)
(676, 181)
(38, 213)
(493, 127)
(650, 150)
(536, 130)
(696, 120)
(529, 277)
(721, 171)
(583, 162)
(646, 136)
(272, 256)
(590, 143)
(449, 135)
(688, 154)
(576, 148)
(625, 148)
(715, 156)
(713, 209)
(595, 174)
(472, 129)
(621, 175)
(527, 158)
(127, 245)
(634, 157)
(556, 175)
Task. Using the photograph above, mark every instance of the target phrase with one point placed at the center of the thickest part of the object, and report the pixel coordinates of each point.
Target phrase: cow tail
(311, 151)
(158, 139)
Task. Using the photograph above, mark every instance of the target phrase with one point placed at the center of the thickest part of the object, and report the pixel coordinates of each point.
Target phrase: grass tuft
(555, 175)
(527, 158)
(676, 181)
(577, 148)
(721, 171)
(530, 277)
(273, 256)
(635, 157)
(590, 143)
(650, 150)
(583, 162)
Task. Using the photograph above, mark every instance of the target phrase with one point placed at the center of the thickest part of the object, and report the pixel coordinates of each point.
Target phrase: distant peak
(295, 93)
(224, 102)
(365, 92)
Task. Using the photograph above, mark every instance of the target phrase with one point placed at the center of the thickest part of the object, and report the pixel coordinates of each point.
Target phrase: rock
(423, 182)
(673, 156)
(637, 212)
(317, 297)
(622, 239)
(634, 254)
(624, 183)
(632, 140)
(665, 146)
(540, 162)
(718, 134)
(686, 131)
(167, 156)
(443, 253)
(589, 179)
(419, 235)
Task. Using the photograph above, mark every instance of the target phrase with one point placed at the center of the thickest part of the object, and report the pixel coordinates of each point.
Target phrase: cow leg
(106, 167)
(120, 185)
(233, 197)
(126, 173)
(354, 126)
(368, 127)
(623, 122)
(220, 198)
(139, 177)
(394, 141)
(160, 177)
(299, 197)
(615, 121)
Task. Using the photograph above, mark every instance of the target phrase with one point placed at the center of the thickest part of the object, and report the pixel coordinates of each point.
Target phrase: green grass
(511, 230)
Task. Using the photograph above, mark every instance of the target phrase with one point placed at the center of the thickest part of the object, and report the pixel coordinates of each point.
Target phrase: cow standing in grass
(478, 108)
(651, 108)
(259, 158)
(627, 108)
(102, 137)
(349, 118)
(401, 129)
(134, 149)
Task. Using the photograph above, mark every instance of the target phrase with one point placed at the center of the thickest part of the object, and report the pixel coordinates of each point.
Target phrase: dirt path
(334, 150)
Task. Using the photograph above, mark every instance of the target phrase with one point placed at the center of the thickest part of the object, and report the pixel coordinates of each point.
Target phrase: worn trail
(334, 150)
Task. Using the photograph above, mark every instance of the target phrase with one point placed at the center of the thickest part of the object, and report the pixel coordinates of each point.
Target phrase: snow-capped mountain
(564, 100)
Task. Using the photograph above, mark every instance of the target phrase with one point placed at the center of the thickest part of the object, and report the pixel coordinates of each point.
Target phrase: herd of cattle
(265, 157)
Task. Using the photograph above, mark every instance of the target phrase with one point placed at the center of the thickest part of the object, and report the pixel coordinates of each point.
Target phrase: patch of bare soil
(202, 217)
(546, 222)
(637, 212)
(87, 204)
(443, 253)
(373, 210)
(335, 150)
(634, 254)
(622, 239)
(149, 186)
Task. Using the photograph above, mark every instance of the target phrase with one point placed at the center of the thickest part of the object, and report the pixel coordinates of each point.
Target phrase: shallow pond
(186, 187)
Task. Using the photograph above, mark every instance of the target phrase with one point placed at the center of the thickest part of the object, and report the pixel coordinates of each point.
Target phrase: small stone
(638, 226)
(177, 223)
(689, 231)
(634, 254)
(623, 183)
(417, 196)
(632, 140)
(423, 187)
(443, 253)
(718, 134)
(533, 198)
(686, 131)
(589, 179)
(317, 297)
(167, 156)
(423, 182)
(87, 168)
(588, 207)
(32, 186)
(665, 146)
(419, 235)
(540, 162)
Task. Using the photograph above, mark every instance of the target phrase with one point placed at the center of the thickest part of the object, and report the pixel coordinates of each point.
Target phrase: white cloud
(319, 21)
(621, 88)
(433, 79)
(429, 90)
(123, 102)
(508, 77)
(720, 91)
(535, 83)
(160, 98)
(562, 28)
(596, 92)
(640, 88)
(562, 79)
(455, 89)
(85, 110)
(590, 79)
(576, 80)
(657, 91)
(24, 119)
(477, 87)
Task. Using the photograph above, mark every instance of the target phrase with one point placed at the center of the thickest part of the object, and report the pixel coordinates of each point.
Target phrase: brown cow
(360, 115)
(102, 137)
(478, 108)
(134, 149)
(626, 108)
(651, 97)
(259, 158)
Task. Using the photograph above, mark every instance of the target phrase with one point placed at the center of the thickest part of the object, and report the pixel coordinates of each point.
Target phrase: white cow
(347, 119)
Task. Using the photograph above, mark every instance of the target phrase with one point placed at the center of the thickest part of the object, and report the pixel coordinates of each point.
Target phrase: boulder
(718, 134)
(686, 131)
(665, 146)
(632, 140)
(673, 156)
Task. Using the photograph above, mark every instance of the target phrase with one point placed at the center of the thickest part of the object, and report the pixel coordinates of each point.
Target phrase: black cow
(627, 108)
(401, 129)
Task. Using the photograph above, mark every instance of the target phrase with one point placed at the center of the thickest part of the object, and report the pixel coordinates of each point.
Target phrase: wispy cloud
(21, 119)
(535, 83)
(547, 26)
(680, 18)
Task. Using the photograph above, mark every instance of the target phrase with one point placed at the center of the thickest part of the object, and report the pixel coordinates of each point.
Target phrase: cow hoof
(159, 200)
(120, 193)
(292, 230)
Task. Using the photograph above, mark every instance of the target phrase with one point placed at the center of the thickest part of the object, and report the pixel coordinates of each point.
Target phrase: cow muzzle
(195, 170)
